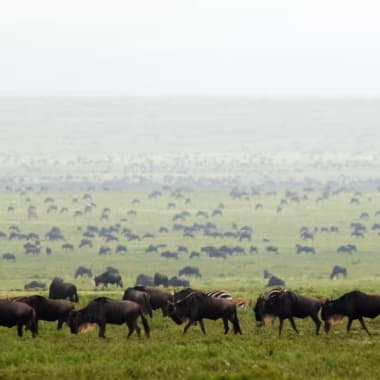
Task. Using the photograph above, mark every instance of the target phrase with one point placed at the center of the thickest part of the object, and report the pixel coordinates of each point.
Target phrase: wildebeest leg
(102, 330)
(280, 327)
(226, 327)
(349, 324)
(361, 320)
(19, 330)
(317, 323)
(187, 326)
(60, 324)
(291, 319)
(202, 326)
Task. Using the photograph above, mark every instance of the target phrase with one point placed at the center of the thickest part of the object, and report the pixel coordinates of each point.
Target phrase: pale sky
(205, 47)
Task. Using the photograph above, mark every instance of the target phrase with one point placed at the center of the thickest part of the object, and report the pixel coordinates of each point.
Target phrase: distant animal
(272, 249)
(144, 280)
(141, 297)
(161, 279)
(105, 310)
(354, 305)
(48, 251)
(190, 271)
(194, 254)
(18, 314)
(170, 255)
(112, 270)
(67, 247)
(62, 290)
(83, 271)
(196, 306)
(287, 305)
(338, 271)
(35, 285)
(275, 281)
(9, 257)
(178, 282)
(49, 310)
(107, 278)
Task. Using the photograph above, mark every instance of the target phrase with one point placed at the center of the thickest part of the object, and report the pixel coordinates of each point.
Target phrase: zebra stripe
(222, 294)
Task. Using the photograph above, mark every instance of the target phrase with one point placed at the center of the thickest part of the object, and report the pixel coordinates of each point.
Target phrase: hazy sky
(205, 47)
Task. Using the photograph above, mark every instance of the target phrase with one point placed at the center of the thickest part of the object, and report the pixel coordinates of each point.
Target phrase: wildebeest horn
(183, 299)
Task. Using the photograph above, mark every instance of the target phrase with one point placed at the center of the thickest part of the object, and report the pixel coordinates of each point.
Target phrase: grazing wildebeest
(177, 281)
(196, 306)
(159, 298)
(354, 305)
(9, 257)
(105, 310)
(62, 290)
(287, 305)
(83, 271)
(190, 271)
(161, 279)
(141, 297)
(14, 313)
(338, 271)
(194, 254)
(48, 310)
(48, 251)
(68, 247)
(170, 255)
(108, 278)
(35, 285)
(144, 280)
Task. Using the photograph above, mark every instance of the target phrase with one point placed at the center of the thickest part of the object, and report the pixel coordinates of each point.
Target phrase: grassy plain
(169, 354)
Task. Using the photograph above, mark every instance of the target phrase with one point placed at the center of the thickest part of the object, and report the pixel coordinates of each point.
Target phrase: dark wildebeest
(161, 279)
(275, 281)
(48, 310)
(108, 278)
(83, 271)
(144, 280)
(105, 310)
(196, 306)
(140, 297)
(287, 305)
(338, 271)
(9, 257)
(35, 285)
(354, 305)
(14, 313)
(112, 270)
(159, 298)
(190, 271)
(62, 290)
(178, 281)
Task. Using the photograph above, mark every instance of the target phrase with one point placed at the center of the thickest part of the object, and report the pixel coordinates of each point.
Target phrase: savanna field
(168, 354)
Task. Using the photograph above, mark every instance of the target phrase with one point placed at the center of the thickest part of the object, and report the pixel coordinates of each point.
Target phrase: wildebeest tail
(145, 324)
(33, 324)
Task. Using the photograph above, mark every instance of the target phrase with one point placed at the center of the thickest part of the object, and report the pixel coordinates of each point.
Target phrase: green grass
(169, 354)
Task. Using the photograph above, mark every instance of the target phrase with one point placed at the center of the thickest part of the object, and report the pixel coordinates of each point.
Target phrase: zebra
(222, 294)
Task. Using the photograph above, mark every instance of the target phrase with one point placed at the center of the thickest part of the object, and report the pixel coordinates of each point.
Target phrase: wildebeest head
(331, 314)
(179, 310)
(75, 320)
(259, 311)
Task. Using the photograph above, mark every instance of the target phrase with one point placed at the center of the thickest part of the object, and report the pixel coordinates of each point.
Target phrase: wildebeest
(108, 278)
(9, 257)
(161, 279)
(159, 298)
(105, 310)
(139, 296)
(48, 310)
(338, 271)
(144, 280)
(83, 271)
(35, 285)
(190, 271)
(62, 290)
(178, 281)
(354, 305)
(196, 306)
(18, 314)
(287, 305)
(275, 281)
